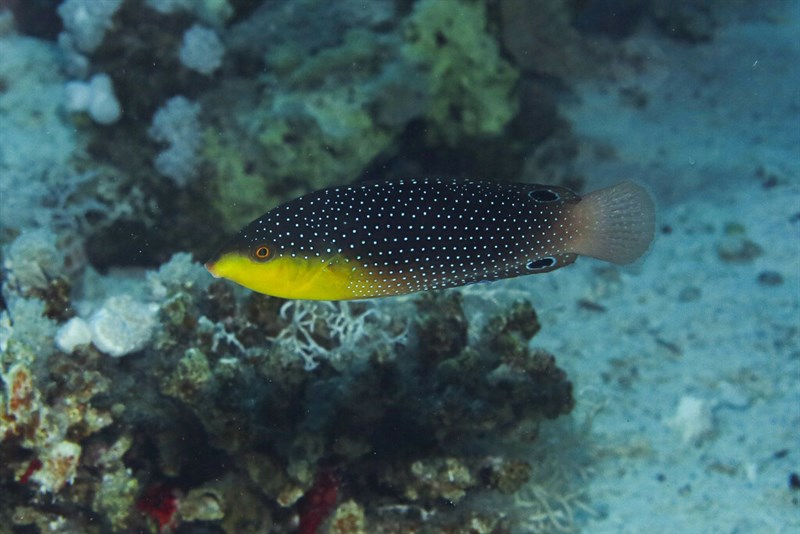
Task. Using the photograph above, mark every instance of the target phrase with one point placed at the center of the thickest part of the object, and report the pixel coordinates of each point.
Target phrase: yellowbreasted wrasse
(400, 236)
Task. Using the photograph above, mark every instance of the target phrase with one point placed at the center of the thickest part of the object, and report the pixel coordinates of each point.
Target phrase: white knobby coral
(73, 334)
(122, 325)
(201, 50)
(96, 97)
(86, 21)
(178, 124)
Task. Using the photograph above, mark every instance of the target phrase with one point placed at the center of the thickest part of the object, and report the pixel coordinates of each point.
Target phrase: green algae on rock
(471, 85)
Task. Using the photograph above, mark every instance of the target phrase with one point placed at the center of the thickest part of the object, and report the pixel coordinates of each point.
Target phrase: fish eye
(544, 195)
(542, 263)
(261, 253)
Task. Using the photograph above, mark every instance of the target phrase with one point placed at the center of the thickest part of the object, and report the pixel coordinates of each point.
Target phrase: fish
(404, 235)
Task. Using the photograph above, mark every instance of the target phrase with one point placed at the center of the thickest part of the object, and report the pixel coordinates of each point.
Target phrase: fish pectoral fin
(330, 280)
(338, 270)
(337, 264)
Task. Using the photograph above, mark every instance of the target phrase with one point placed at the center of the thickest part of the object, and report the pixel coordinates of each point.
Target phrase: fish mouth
(210, 266)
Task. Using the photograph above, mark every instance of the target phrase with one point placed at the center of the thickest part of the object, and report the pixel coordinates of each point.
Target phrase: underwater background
(138, 394)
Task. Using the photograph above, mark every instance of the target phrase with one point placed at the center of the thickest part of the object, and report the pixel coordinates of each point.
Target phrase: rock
(72, 334)
(123, 325)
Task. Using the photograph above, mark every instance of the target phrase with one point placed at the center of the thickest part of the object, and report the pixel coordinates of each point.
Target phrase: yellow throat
(291, 277)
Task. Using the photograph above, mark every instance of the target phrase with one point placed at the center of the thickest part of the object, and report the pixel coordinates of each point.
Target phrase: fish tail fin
(615, 224)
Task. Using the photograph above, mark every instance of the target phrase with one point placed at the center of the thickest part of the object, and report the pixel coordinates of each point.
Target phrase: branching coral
(336, 332)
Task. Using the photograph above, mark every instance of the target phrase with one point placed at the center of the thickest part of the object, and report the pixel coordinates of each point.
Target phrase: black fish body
(405, 235)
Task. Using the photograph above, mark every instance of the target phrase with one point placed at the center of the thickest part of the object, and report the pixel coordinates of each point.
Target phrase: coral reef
(336, 416)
